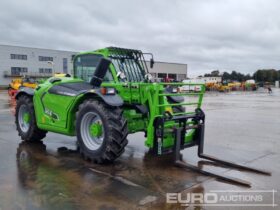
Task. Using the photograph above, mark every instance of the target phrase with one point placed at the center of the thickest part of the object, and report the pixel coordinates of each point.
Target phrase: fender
(112, 100)
(25, 90)
(81, 89)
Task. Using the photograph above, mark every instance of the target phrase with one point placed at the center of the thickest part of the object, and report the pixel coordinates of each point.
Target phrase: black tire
(33, 133)
(115, 132)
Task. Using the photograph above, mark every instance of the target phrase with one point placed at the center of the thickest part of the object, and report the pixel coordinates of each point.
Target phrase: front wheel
(26, 120)
(101, 131)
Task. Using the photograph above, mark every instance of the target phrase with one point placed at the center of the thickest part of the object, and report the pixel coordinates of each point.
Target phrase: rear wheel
(101, 131)
(26, 121)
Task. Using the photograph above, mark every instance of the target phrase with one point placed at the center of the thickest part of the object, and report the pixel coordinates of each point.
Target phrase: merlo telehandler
(111, 95)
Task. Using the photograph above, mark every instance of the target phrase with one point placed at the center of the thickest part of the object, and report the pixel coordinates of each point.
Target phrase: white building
(175, 71)
(208, 80)
(16, 61)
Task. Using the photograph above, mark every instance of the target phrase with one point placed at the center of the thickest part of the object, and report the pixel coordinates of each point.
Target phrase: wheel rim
(24, 118)
(92, 130)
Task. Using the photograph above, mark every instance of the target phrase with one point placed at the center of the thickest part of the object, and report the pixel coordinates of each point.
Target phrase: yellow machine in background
(234, 86)
(60, 75)
(29, 82)
(223, 88)
(26, 82)
(15, 84)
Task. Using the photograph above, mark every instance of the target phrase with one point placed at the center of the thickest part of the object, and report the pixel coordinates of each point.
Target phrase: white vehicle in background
(194, 88)
(250, 81)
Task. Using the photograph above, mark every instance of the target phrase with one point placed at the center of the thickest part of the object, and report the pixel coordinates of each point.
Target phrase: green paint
(26, 117)
(95, 130)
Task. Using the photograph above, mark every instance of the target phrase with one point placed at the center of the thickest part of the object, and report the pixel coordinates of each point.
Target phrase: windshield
(130, 67)
(85, 66)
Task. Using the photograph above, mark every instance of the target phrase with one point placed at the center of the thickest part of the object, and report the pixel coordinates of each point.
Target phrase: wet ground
(240, 126)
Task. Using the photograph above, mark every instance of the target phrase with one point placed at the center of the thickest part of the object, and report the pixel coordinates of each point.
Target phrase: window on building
(45, 58)
(72, 57)
(18, 57)
(45, 70)
(48, 71)
(18, 70)
(162, 75)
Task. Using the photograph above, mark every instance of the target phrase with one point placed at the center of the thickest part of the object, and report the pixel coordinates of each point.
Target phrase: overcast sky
(241, 35)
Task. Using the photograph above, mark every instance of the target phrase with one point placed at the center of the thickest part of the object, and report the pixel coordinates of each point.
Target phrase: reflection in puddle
(46, 183)
(62, 180)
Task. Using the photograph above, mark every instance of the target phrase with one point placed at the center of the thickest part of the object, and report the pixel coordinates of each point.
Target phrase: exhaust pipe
(100, 72)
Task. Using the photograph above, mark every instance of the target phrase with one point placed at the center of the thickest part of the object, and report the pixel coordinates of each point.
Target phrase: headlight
(108, 91)
(111, 91)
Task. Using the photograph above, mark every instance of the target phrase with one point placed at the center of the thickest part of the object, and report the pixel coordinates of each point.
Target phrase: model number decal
(51, 114)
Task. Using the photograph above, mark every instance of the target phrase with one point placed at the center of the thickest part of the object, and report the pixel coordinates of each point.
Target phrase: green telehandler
(111, 95)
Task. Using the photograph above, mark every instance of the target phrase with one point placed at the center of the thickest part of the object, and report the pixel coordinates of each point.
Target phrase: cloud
(206, 34)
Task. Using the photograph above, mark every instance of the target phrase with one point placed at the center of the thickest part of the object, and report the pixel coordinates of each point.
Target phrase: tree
(247, 77)
(266, 75)
(234, 76)
(226, 76)
(214, 73)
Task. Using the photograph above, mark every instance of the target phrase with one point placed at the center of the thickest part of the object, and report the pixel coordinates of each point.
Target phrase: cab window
(85, 66)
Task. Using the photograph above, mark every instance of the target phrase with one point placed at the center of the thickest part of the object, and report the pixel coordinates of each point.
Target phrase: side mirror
(100, 72)
(152, 62)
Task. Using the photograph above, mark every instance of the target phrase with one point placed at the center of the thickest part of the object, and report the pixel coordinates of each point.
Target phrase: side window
(85, 66)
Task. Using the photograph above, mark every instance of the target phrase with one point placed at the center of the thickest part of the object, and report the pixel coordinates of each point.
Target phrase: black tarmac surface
(242, 127)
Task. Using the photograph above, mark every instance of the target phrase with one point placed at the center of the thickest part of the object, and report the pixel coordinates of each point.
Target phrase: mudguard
(112, 100)
(77, 89)
(25, 90)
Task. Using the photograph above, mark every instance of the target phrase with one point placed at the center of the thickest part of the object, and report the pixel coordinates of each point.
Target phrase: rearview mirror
(152, 62)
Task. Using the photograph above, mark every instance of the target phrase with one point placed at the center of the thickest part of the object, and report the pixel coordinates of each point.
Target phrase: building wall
(210, 79)
(32, 63)
(163, 69)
